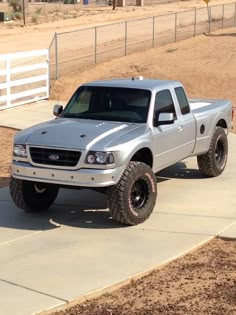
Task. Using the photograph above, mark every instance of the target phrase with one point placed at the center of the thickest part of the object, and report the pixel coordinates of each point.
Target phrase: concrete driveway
(74, 249)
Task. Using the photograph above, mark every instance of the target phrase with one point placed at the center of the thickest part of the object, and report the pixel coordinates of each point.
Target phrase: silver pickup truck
(113, 136)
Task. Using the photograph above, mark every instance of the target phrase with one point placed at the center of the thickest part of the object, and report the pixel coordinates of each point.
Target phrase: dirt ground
(6, 142)
(200, 283)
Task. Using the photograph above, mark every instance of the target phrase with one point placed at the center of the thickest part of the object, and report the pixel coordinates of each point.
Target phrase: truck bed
(203, 106)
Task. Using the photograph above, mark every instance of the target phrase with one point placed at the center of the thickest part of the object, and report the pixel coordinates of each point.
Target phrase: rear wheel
(32, 196)
(213, 162)
(132, 199)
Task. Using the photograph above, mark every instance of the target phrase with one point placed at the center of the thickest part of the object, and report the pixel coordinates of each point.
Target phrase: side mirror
(57, 110)
(164, 119)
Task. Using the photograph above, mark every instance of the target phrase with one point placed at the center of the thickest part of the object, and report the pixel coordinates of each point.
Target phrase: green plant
(16, 5)
(38, 11)
(34, 18)
(17, 16)
(107, 294)
(216, 19)
(132, 282)
(170, 50)
(182, 24)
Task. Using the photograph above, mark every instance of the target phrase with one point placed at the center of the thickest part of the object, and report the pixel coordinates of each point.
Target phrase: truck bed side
(209, 114)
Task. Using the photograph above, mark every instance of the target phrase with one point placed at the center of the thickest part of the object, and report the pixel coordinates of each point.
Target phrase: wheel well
(222, 123)
(143, 155)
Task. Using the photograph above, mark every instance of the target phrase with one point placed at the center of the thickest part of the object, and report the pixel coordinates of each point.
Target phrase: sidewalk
(28, 115)
(74, 249)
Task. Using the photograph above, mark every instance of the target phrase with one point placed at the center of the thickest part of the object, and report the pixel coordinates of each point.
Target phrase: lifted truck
(113, 136)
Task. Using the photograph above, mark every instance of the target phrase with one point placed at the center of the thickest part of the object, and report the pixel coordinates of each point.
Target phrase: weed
(170, 50)
(107, 294)
(216, 19)
(38, 11)
(17, 16)
(34, 18)
(16, 5)
(132, 282)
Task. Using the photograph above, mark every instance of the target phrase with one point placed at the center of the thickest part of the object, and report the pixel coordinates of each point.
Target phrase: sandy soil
(6, 142)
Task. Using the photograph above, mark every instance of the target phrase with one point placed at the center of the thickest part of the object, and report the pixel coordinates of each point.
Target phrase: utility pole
(23, 12)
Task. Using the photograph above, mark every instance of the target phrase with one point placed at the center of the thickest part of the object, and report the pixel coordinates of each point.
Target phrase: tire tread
(205, 161)
(115, 201)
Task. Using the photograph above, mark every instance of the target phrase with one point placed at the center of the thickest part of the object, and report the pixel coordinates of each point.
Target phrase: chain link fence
(70, 51)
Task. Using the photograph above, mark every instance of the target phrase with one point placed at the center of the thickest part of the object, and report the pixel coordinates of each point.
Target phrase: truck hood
(79, 134)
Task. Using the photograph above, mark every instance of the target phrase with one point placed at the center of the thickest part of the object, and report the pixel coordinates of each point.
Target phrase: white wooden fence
(24, 77)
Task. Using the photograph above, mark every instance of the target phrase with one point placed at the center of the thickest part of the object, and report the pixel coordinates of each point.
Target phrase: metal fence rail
(70, 51)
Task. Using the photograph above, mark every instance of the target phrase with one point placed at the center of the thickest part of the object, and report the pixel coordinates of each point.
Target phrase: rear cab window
(183, 101)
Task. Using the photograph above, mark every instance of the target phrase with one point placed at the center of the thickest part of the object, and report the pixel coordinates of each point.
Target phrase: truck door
(175, 141)
(189, 122)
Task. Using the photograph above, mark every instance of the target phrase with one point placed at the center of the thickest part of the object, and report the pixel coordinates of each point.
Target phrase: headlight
(94, 157)
(19, 150)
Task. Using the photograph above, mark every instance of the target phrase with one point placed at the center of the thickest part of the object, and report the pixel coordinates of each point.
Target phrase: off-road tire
(132, 199)
(32, 196)
(213, 162)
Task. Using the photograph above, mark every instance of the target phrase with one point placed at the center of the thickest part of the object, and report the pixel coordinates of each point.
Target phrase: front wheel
(132, 199)
(213, 162)
(32, 196)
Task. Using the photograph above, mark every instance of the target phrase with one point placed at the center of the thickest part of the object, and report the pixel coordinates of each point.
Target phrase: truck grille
(54, 157)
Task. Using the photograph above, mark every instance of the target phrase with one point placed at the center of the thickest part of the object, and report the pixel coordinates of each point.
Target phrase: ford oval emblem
(53, 157)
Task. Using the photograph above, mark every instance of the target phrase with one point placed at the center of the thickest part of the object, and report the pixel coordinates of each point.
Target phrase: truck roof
(137, 83)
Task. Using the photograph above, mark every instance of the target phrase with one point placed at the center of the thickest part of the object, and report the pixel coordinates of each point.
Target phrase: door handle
(180, 128)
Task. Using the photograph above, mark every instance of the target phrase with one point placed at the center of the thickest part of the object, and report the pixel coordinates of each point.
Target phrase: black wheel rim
(139, 193)
(220, 152)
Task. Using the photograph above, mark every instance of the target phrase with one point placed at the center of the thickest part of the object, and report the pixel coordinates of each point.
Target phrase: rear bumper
(82, 177)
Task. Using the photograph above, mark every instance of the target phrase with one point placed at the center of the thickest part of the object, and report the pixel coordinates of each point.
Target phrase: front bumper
(83, 177)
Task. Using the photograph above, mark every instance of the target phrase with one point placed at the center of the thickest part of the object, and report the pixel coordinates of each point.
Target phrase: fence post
(195, 21)
(223, 15)
(153, 32)
(125, 38)
(56, 55)
(48, 73)
(95, 44)
(8, 81)
(209, 26)
(175, 26)
(235, 15)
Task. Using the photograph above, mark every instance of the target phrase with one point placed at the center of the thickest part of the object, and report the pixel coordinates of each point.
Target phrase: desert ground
(202, 282)
(39, 36)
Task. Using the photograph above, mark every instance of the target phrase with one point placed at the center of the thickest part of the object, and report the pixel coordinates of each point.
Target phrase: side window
(164, 104)
(182, 99)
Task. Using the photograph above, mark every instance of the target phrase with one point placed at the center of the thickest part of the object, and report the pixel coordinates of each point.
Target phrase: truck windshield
(109, 103)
